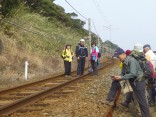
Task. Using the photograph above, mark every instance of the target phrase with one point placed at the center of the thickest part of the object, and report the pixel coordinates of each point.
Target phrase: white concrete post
(26, 70)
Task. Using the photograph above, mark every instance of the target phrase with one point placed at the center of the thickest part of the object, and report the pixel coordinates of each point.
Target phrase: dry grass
(42, 52)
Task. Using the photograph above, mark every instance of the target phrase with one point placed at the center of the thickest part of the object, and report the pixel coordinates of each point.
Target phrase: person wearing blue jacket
(81, 54)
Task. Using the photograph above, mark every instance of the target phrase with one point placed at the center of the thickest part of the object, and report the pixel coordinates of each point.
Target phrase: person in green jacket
(132, 72)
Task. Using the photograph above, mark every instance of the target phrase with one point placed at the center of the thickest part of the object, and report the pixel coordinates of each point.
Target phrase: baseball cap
(82, 40)
(118, 51)
(146, 46)
(138, 47)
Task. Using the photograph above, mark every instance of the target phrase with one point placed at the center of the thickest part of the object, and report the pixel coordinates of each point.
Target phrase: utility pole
(89, 29)
(98, 41)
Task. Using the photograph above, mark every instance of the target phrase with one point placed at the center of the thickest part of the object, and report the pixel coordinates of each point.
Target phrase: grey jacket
(131, 69)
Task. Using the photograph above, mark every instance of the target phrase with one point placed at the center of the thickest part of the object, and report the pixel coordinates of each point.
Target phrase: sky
(131, 21)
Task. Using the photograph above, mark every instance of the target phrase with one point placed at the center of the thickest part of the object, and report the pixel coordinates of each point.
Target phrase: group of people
(134, 78)
(81, 54)
(132, 73)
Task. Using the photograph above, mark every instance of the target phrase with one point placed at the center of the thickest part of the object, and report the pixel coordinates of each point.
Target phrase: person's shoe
(111, 103)
(107, 102)
(69, 76)
(104, 101)
(125, 104)
(78, 76)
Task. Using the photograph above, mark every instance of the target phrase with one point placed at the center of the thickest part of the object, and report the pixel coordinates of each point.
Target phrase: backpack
(64, 54)
(99, 55)
(90, 70)
(145, 65)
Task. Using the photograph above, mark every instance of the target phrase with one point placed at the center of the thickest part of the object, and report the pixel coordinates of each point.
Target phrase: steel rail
(10, 108)
(6, 91)
(33, 83)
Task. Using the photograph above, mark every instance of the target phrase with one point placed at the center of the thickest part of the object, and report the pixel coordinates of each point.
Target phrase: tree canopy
(47, 8)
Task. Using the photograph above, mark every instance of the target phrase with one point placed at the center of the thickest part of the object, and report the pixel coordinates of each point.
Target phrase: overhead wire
(23, 28)
(100, 11)
(84, 16)
(76, 10)
(27, 23)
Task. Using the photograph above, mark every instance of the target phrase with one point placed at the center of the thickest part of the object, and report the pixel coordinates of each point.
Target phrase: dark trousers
(67, 67)
(139, 91)
(94, 66)
(151, 90)
(115, 86)
(81, 65)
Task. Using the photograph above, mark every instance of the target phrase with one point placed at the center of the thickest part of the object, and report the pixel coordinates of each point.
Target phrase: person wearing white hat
(138, 47)
(81, 54)
(82, 40)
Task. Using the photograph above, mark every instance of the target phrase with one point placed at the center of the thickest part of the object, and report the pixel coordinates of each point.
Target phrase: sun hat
(138, 47)
(82, 40)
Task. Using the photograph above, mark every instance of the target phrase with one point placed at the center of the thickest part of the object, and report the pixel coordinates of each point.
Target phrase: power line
(23, 28)
(100, 10)
(76, 10)
(98, 39)
(24, 22)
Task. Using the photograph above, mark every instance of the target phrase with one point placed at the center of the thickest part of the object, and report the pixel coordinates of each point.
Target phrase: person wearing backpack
(150, 56)
(81, 54)
(67, 56)
(94, 52)
(126, 88)
(133, 72)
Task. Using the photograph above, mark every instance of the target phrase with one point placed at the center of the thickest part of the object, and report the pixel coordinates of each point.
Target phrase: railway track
(16, 98)
(110, 109)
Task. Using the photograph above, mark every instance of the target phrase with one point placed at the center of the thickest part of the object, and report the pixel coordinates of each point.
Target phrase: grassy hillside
(35, 31)
(33, 37)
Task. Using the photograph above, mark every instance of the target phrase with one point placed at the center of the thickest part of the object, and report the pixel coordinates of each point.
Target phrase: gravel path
(84, 102)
